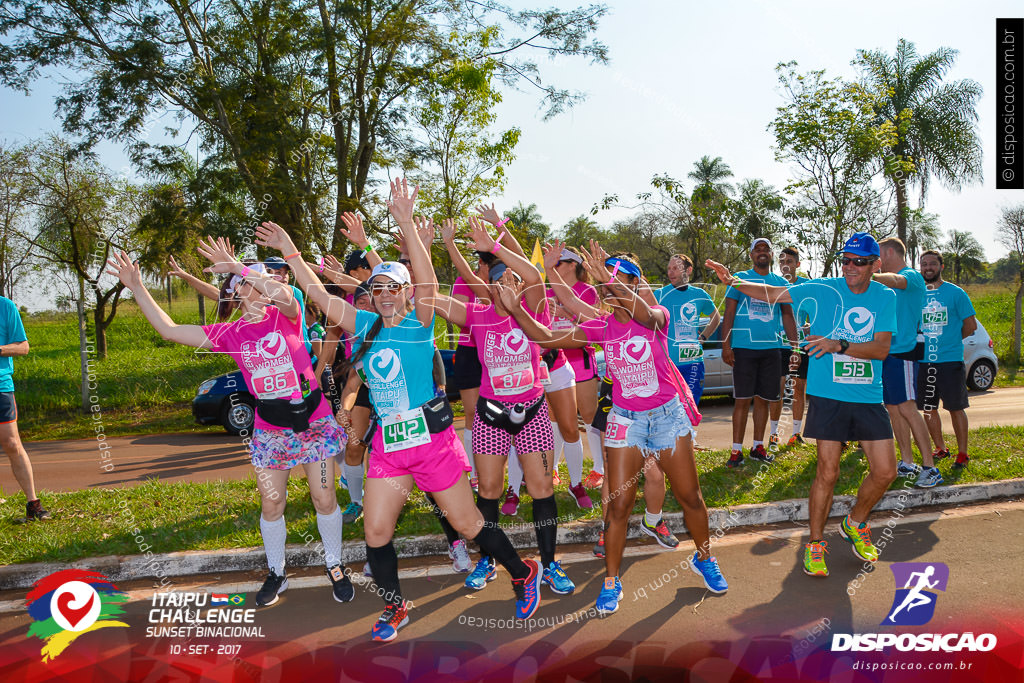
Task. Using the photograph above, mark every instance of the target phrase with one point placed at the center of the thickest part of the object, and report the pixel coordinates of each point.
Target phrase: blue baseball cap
(275, 262)
(861, 244)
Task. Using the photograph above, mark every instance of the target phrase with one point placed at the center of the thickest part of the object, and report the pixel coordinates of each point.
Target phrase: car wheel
(238, 414)
(982, 375)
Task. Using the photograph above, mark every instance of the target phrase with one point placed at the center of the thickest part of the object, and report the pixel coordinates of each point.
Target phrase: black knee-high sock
(384, 567)
(489, 509)
(449, 531)
(545, 523)
(495, 543)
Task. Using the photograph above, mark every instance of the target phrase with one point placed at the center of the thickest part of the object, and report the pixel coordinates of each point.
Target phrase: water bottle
(297, 406)
(517, 414)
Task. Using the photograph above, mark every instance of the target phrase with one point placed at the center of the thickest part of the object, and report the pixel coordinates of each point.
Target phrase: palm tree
(964, 253)
(709, 175)
(936, 122)
(580, 230)
(757, 211)
(923, 233)
(529, 220)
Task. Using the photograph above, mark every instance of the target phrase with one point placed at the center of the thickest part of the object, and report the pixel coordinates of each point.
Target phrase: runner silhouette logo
(914, 603)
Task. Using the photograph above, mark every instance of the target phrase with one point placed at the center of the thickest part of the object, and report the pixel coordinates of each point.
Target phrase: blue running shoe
(556, 579)
(709, 571)
(608, 598)
(527, 591)
(483, 573)
(395, 616)
(929, 477)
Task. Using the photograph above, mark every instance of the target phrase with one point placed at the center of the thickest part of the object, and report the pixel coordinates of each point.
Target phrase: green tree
(527, 218)
(1011, 236)
(580, 230)
(923, 233)
(709, 175)
(757, 211)
(964, 254)
(16, 194)
(936, 123)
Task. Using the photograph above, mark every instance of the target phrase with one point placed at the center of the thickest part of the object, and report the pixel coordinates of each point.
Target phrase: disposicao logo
(69, 603)
(914, 604)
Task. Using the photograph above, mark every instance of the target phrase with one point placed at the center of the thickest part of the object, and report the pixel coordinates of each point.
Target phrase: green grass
(225, 514)
(994, 305)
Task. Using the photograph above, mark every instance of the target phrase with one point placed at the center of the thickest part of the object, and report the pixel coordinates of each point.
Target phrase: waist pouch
(916, 353)
(549, 357)
(437, 412)
(278, 411)
(497, 414)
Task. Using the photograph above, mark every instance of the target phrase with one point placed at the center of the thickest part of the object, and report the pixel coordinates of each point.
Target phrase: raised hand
(448, 230)
(272, 235)
(425, 229)
(721, 271)
(355, 233)
(219, 254)
(176, 270)
(125, 270)
(402, 201)
(330, 261)
(552, 254)
(593, 262)
(482, 241)
(489, 214)
(509, 295)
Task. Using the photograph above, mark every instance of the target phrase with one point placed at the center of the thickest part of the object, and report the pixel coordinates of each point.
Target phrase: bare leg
(681, 470)
(934, 423)
(10, 440)
(760, 417)
(740, 408)
(960, 428)
(654, 487)
(881, 457)
(910, 413)
(826, 473)
(623, 466)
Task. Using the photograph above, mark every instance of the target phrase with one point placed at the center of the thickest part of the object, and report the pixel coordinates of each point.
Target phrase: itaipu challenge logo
(70, 603)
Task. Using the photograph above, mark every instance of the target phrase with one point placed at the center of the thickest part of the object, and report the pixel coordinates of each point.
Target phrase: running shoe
(394, 617)
(814, 558)
(961, 461)
(907, 471)
(860, 537)
(528, 591)
(273, 586)
(459, 556)
(930, 476)
(593, 480)
(709, 571)
(795, 440)
(352, 512)
(758, 453)
(34, 511)
(511, 504)
(735, 459)
(343, 482)
(555, 479)
(557, 580)
(660, 533)
(773, 443)
(484, 572)
(342, 587)
(608, 598)
(579, 494)
(599, 546)
(940, 453)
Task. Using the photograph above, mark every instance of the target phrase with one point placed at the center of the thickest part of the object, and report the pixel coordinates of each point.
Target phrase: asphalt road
(75, 464)
(774, 622)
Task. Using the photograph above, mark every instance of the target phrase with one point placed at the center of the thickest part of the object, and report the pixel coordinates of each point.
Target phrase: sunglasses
(405, 261)
(859, 262)
(389, 287)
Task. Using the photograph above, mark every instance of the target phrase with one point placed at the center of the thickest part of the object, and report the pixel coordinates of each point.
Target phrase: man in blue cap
(852, 321)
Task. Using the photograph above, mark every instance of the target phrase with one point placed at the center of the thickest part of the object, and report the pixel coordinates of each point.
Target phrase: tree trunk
(83, 345)
(167, 283)
(1017, 320)
(100, 331)
(202, 309)
(902, 209)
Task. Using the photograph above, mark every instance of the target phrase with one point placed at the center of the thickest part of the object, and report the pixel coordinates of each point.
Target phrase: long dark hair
(227, 302)
(364, 347)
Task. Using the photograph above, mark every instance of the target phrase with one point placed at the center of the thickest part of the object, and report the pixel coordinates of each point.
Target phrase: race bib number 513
(850, 370)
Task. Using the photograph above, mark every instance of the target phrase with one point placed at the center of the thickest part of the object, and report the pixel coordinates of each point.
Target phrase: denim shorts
(656, 429)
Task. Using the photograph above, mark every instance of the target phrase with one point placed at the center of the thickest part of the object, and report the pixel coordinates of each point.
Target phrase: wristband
(497, 243)
(245, 272)
(320, 262)
(615, 271)
(502, 222)
(368, 249)
(292, 255)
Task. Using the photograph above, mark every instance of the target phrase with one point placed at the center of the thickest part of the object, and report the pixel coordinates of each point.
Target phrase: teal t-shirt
(297, 293)
(909, 303)
(399, 366)
(12, 331)
(685, 307)
(837, 313)
(945, 310)
(758, 324)
(801, 320)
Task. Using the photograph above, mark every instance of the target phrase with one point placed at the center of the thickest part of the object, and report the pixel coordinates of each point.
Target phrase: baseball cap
(392, 270)
(357, 259)
(275, 262)
(498, 269)
(861, 244)
(235, 279)
(567, 255)
(758, 241)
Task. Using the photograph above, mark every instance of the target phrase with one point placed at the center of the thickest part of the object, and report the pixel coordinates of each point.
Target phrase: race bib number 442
(405, 430)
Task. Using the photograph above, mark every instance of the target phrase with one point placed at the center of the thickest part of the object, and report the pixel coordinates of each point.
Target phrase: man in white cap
(750, 332)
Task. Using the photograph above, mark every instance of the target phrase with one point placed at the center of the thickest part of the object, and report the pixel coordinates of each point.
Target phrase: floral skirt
(283, 449)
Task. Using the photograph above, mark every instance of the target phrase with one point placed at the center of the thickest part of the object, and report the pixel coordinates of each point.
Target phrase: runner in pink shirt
(648, 420)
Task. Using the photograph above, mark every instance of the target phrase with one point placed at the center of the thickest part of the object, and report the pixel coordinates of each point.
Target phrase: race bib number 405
(405, 430)
(850, 370)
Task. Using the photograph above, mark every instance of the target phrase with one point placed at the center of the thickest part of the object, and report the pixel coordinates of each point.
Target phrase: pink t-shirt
(581, 360)
(510, 360)
(460, 288)
(271, 355)
(636, 357)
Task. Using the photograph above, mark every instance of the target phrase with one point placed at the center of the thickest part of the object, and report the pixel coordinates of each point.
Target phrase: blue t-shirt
(685, 307)
(945, 310)
(837, 313)
(11, 332)
(801, 318)
(909, 303)
(399, 366)
(757, 324)
(297, 293)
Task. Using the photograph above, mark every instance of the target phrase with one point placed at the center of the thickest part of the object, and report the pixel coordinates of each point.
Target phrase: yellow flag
(537, 259)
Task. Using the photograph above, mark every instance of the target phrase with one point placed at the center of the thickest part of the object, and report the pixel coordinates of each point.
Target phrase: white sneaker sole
(706, 585)
(656, 538)
(277, 596)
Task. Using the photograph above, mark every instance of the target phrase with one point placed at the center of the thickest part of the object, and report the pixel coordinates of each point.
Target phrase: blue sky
(688, 79)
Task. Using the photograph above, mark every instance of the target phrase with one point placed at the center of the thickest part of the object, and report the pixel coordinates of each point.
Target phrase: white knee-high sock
(559, 444)
(354, 477)
(467, 444)
(594, 444)
(274, 535)
(515, 471)
(330, 527)
(574, 459)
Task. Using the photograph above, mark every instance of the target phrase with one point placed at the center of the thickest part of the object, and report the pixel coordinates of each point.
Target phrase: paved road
(75, 464)
(666, 621)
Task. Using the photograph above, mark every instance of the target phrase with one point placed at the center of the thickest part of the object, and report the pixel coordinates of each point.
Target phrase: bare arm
(15, 349)
(563, 339)
(218, 252)
(201, 286)
(773, 294)
(876, 349)
(565, 294)
(893, 280)
(712, 325)
(533, 284)
(401, 206)
(450, 308)
(478, 286)
(969, 327)
(490, 214)
(356, 234)
(639, 306)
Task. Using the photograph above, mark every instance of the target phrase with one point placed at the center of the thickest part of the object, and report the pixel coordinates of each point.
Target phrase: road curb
(163, 567)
